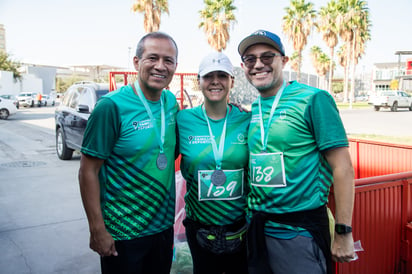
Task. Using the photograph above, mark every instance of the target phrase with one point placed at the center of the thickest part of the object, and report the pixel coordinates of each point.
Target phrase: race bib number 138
(267, 170)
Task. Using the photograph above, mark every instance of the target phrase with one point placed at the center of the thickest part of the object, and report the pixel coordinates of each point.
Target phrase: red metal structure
(180, 83)
(372, 158)
(409, 66)
(382, 216)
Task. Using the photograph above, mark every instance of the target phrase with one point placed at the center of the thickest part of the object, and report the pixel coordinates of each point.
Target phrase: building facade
(384, 74)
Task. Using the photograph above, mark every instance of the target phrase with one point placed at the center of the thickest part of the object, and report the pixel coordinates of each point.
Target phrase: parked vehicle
(47, 100)
(28, 99)
(11, 97)
(393, 99)
(72, 114)
(7, 108)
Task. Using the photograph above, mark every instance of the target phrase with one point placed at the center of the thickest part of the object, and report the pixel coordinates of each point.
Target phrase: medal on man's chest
(161, 161)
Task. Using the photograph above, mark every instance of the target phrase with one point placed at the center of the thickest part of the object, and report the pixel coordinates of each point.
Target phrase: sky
(105, 32)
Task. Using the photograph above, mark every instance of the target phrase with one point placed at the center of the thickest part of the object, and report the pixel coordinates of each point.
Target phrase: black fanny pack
(218, 240)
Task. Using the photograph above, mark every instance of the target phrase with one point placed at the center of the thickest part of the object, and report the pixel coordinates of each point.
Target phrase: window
(86, 97)
(67, 96)
(74, 100)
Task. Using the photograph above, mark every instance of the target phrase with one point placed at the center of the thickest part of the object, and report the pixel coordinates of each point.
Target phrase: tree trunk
(352, 87)
(332, 51)
(346, 78)
(299, 66)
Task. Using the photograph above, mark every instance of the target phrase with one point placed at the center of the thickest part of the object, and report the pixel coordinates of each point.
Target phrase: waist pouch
(219, 241)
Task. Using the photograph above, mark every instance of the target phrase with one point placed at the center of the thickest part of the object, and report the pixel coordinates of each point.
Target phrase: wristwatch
(342, 228)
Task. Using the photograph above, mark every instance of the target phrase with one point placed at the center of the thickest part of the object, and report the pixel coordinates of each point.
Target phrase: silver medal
(161, 161)
(218, 177)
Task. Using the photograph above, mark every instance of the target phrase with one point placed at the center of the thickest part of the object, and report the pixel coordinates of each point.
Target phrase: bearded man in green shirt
(298, 149)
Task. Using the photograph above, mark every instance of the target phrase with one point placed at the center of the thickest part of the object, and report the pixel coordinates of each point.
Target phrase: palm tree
(297, 25)
(343, 61)
(361, 36)
(152, 10)
(216, 19)
(293, 61)
(328, 27)
(321, 62)
(354, 29)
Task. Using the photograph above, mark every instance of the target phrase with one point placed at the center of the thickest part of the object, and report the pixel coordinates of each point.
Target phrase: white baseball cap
(215, 61)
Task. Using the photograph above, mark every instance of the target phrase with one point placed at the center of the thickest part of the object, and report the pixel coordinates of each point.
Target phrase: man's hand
(102, 242)
(342, 248)
(239, 106)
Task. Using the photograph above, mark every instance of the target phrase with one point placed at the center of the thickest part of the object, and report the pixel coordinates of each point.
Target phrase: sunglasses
(266, 59)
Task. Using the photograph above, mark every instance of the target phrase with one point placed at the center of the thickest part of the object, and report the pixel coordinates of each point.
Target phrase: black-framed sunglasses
(266, 58)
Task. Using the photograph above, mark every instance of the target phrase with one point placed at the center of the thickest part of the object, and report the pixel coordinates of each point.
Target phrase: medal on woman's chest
(218, 177)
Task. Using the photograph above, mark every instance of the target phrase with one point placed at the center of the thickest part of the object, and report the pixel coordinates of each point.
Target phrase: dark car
(72, 114)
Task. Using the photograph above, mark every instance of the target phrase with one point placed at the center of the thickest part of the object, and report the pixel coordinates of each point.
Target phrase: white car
(28, 99)
(7, 108)
(47, 100)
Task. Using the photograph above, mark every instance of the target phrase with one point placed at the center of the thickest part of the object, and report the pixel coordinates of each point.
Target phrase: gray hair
(155, 35)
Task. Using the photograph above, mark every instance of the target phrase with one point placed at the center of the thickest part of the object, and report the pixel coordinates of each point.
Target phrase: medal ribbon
(161, 136)
(264, 131)
(218, 153)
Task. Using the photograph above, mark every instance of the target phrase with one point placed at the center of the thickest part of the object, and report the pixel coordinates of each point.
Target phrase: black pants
(206, 262)
(147, 255)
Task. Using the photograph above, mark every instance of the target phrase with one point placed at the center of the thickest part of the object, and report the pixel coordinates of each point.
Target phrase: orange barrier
(383, 209)
(373, 158)
(381, 213)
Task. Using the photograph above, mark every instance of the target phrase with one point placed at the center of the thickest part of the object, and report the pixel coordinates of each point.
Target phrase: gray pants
(295, 256)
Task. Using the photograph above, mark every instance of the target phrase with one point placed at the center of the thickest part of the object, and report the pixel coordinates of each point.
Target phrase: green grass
(355, 105)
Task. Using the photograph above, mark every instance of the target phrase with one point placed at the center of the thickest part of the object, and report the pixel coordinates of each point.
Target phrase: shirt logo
(194, 140)
(140, 125)
(240, 140)
(171, 119)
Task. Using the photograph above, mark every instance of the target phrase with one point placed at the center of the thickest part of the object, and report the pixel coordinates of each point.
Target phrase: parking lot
(43, 228)
(383, 122)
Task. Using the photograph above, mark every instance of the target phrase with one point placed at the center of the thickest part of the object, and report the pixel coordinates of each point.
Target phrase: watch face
(342, 229)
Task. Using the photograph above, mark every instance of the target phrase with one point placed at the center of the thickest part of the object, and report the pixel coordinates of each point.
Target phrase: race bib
(267, 170)
(231, 189)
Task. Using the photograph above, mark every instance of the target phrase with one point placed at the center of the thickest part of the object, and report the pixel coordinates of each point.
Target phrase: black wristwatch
(343, 229)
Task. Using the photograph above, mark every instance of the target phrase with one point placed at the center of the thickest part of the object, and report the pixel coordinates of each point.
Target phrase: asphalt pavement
(43, 227)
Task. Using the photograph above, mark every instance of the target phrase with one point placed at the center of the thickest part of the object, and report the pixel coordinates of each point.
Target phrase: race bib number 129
(232, 189)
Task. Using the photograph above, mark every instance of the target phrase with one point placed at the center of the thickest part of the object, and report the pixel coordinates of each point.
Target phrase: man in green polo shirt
(127, 172)
(298, 149)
